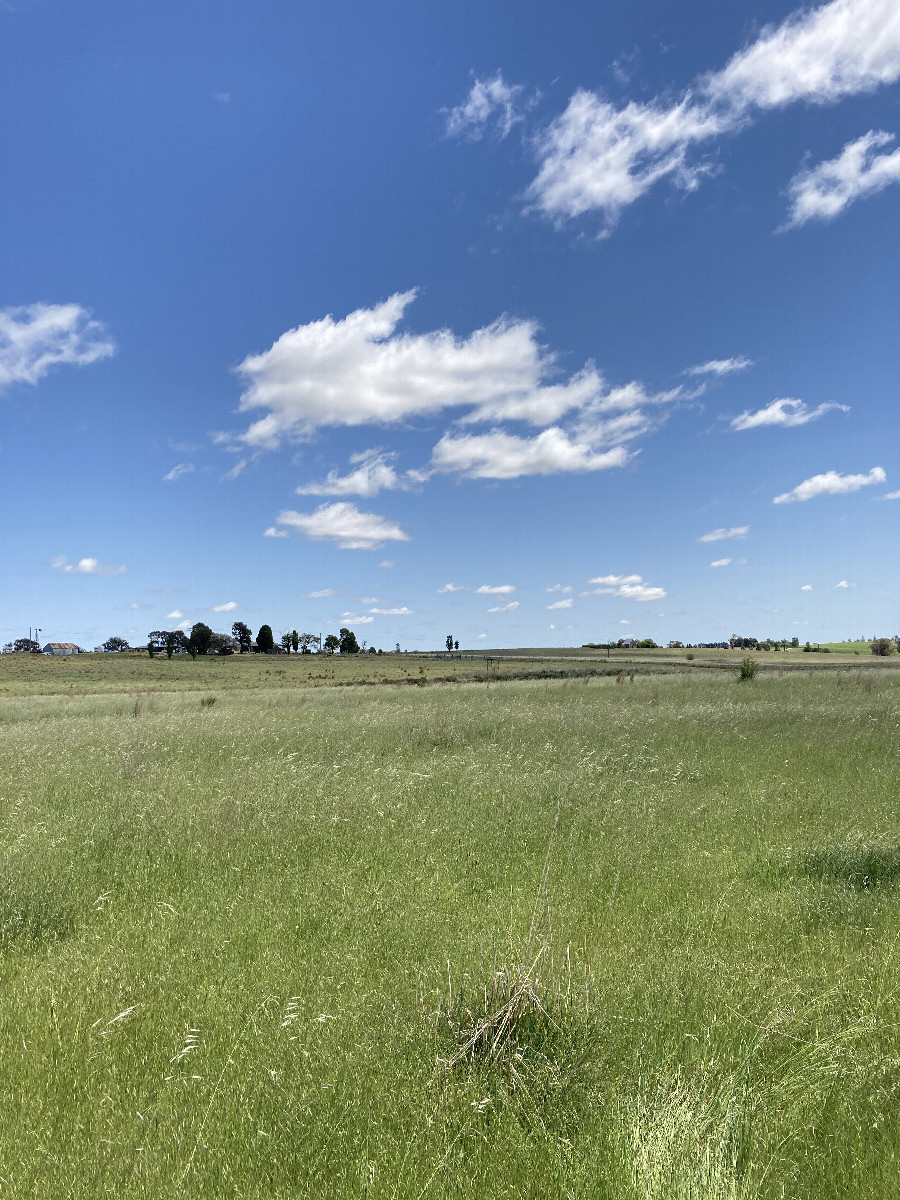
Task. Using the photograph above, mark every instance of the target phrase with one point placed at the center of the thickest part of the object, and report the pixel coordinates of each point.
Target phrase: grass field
(536, 938)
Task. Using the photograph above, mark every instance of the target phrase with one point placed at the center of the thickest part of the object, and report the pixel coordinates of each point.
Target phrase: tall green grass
(520, 939)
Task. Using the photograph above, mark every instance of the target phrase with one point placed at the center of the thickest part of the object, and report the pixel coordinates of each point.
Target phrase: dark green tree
(332, 643)
(348, 642)
(26, 646)
(295, 641)
(264, 639)
(116, 644)
(243, 635)
(199, 639)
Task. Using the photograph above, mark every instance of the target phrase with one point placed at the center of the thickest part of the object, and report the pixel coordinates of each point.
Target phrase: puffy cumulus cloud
(393, 612)
(490, 103)
(845, 583)
(499, 455)
(830, 484)
(361, 370)
(807, 587)
(891, 496)
(823, 192)
(230, 606)
(321, 594)
(177, 471)
(344, 524)
(721, 366)
(175, 615)
(724, 535)
(597, 157)
(560, 604)
(511, 607)
(452, 587)
(626, 587)
(785, 412)
(357, 618)
(85, 566)
(500, 589)
(722, 562)
(34, 338)
(275, 533)
(375, 472)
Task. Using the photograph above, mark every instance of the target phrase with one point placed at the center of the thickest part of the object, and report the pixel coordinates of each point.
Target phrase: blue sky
(536, 324)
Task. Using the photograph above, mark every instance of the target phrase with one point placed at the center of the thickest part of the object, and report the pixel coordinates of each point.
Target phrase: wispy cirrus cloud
(567, 603)
(824, 191)
(373, 473)
(492, 103)
(721, 366)
(321, 594)
(501, 608)
(786, 412)
(229, 606)
(830, 483)
(500, 589)
(35, 338)
(180, 469)
(344, 524)
(85, 566)
(723, 535)
(596, 157)
(452, 587)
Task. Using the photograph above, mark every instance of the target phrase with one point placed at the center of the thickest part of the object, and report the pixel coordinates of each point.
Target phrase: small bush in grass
(749, 667)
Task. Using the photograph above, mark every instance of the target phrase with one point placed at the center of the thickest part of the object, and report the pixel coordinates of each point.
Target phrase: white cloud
(236, 470)
(185, 625)
(844, 584)
(452, 587)
(722, 562)
(482, 635)
(559, 587)
(35, 338)
(511, 607)
(490, 102)
(500, 455)
(229, 607)
(387, 563)
(595, 157)
(560, 604)
(830, 484)
(361, 371)
(357, 618)
(322, 594)
(823, 192)
(343, 523)
(177, 471)
(374, 474)
(722, 535)
(626, 587)
(369, 599)
(85, 566)
(721, 366)
(891, 496)
(807, 587)
(501, 589)
(175, 615)
(393, 612)
(785, 412)
(273, 532)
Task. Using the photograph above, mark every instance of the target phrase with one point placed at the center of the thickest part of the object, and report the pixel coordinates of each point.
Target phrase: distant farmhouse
(61, 648)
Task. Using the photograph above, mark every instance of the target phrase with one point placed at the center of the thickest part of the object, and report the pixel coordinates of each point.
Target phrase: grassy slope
(321, 883)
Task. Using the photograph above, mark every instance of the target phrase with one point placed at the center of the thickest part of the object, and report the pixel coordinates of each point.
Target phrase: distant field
(25, 674)
(542, 938)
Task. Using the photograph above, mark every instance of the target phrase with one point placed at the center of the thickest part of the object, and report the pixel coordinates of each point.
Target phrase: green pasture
(578, 937)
